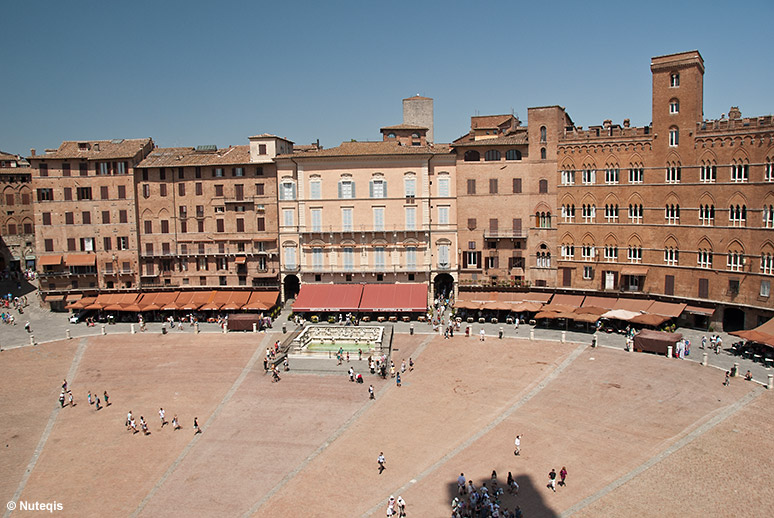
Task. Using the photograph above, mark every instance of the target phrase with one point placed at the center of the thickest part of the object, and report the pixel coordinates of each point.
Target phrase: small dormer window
(391, 135)
(83, 146)
(415, 135)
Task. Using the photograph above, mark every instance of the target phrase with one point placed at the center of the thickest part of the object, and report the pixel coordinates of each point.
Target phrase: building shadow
(531, 498)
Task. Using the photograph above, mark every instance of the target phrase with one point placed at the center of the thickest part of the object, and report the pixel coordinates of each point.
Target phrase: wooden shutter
(669, 284)
(703, 288)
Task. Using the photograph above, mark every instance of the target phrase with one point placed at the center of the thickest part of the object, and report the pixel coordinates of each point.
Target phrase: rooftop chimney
(32, 152)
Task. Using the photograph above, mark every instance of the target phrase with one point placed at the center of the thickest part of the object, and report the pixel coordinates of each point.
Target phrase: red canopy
(402, 298)
(328, 297)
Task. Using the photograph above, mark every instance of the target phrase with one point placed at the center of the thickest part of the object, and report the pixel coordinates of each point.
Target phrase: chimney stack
(32, 152)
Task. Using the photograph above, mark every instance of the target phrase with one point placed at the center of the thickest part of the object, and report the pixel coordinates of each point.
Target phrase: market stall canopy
(530, 307)
(261, 300)
(655, 341)
(599, 302)
(648, 319)
(620, 314)
(565, 299)
(698, 310)
(328, 297)
(636, 305)
(763, 334)
(401, 298)
(667, 309)
(81, 303)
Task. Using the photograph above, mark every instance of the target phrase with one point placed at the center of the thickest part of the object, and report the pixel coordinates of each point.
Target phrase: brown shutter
(669, 284)
(516, 226)
(703, 288)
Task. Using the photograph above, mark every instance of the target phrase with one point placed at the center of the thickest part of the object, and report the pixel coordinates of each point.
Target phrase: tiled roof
(404, 126)
(118, 148)
(269, 135)
(515, 139)
(8, 156)
(374, 149)
(188, 156)
(489, 121)
(15, 170)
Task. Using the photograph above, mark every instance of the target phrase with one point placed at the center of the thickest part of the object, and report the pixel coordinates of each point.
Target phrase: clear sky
(190, 72)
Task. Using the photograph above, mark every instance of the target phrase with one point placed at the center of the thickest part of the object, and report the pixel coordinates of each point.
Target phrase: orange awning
(54, 298)
(50, 260)
(260, 300)
(637, 271)
(240, 259)
(81, 260)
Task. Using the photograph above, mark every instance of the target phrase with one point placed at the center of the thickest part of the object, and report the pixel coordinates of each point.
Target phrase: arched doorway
(443, 286)
(733, 319)
(292, 287)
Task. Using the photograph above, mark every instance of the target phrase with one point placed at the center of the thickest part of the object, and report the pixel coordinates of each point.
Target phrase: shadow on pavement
(531, 497)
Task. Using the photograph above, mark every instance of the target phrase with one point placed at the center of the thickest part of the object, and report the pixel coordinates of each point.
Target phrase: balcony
(504, 234)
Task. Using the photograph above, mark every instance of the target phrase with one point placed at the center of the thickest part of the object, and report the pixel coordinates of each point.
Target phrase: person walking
(351, 374)
(727, 381)
(461, 487)
(482, 334)
(161, 416)
(107, 400)
(552, 480)
(196, 426)
(91, 402)
(401, 507)
(562, 476)
(380, 462)
(371, 392)
(411, 364)
(70, 397)
(144, 426)
(175, 423)
(129, 419)
(27, 327)
(517, 444)
(61, 399)
(96, 401)
(397, 379)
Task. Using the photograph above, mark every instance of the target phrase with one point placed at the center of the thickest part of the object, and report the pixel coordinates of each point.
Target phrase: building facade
(85, 215)
(678, 209)
(17, 228)
(208, 217)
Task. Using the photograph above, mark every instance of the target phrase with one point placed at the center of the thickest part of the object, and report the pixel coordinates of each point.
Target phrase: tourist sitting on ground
(748, 376)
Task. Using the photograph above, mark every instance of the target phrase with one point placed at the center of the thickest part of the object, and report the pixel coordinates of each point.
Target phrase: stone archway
(443, 285)
(291, 287)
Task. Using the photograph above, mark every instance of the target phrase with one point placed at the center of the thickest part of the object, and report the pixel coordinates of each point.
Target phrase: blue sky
(189, 72)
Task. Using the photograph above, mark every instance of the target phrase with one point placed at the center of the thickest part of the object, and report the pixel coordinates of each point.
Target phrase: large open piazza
(640, 435)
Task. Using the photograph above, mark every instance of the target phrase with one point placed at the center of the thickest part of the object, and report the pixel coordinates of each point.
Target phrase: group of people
(392, 503)
(473, 502)
(715, 343)
(66, 397)
(131, 424)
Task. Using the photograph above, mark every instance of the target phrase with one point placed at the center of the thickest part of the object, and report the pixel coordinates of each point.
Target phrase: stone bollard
(255, 327)
(225, 328)
(564, 336)
(411, 329)
(196, 327)
(32, 340)
(68, 335)
(500, 333)
(735, 370)
(284, 328)
(704, 359)
(594, 339)
(770, 384)
(104, 331)
(531, 334)
(669, 351)
(131, 329)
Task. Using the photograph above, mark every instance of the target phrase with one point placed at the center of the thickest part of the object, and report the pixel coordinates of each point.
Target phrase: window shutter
(293, 191)
(371, 189)
(384, 188)
(340, 190)
(517, 226)
(353, 190)
(471, 223)
(464, 259)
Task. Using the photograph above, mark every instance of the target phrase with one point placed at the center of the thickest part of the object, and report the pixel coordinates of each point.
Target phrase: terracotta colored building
(85, 215)
(17, 248)
(681, 209)
(207, 217)
(510, 170)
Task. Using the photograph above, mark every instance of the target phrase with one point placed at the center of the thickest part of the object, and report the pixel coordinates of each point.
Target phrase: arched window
(674, 106)
(542, 153)
(472, 156)
(391, 135)
(543, 134)
(513, 154)
(492, 155)
(674, 136)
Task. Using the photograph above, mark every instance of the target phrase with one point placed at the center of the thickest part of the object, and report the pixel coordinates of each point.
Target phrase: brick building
(17, 248)
(208, 217)
(679, 209)
(85, 215)
(510, 170)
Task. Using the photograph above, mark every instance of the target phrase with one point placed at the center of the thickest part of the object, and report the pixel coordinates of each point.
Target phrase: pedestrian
(97, 403)
(552, 478)
(175, 423)
(70, 397)
(351, 374)
(401, 506)
(482, 334)
(133, 426)
(347, 356)
(129, 419)
(61, 399)
(161, 416)
(144, 426)
(703, 342)
(285, 364)
(461, 487)
(513, 487)
(562, 476)
(91, 402)
(517, 443)
(196, 426)
(397, 379)
(411, 364)
(727, 381)
(359, 354)
(403, 366)
(64, 385)
(371, 392)
(107, 400)
(27, 327)
(380, 462)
